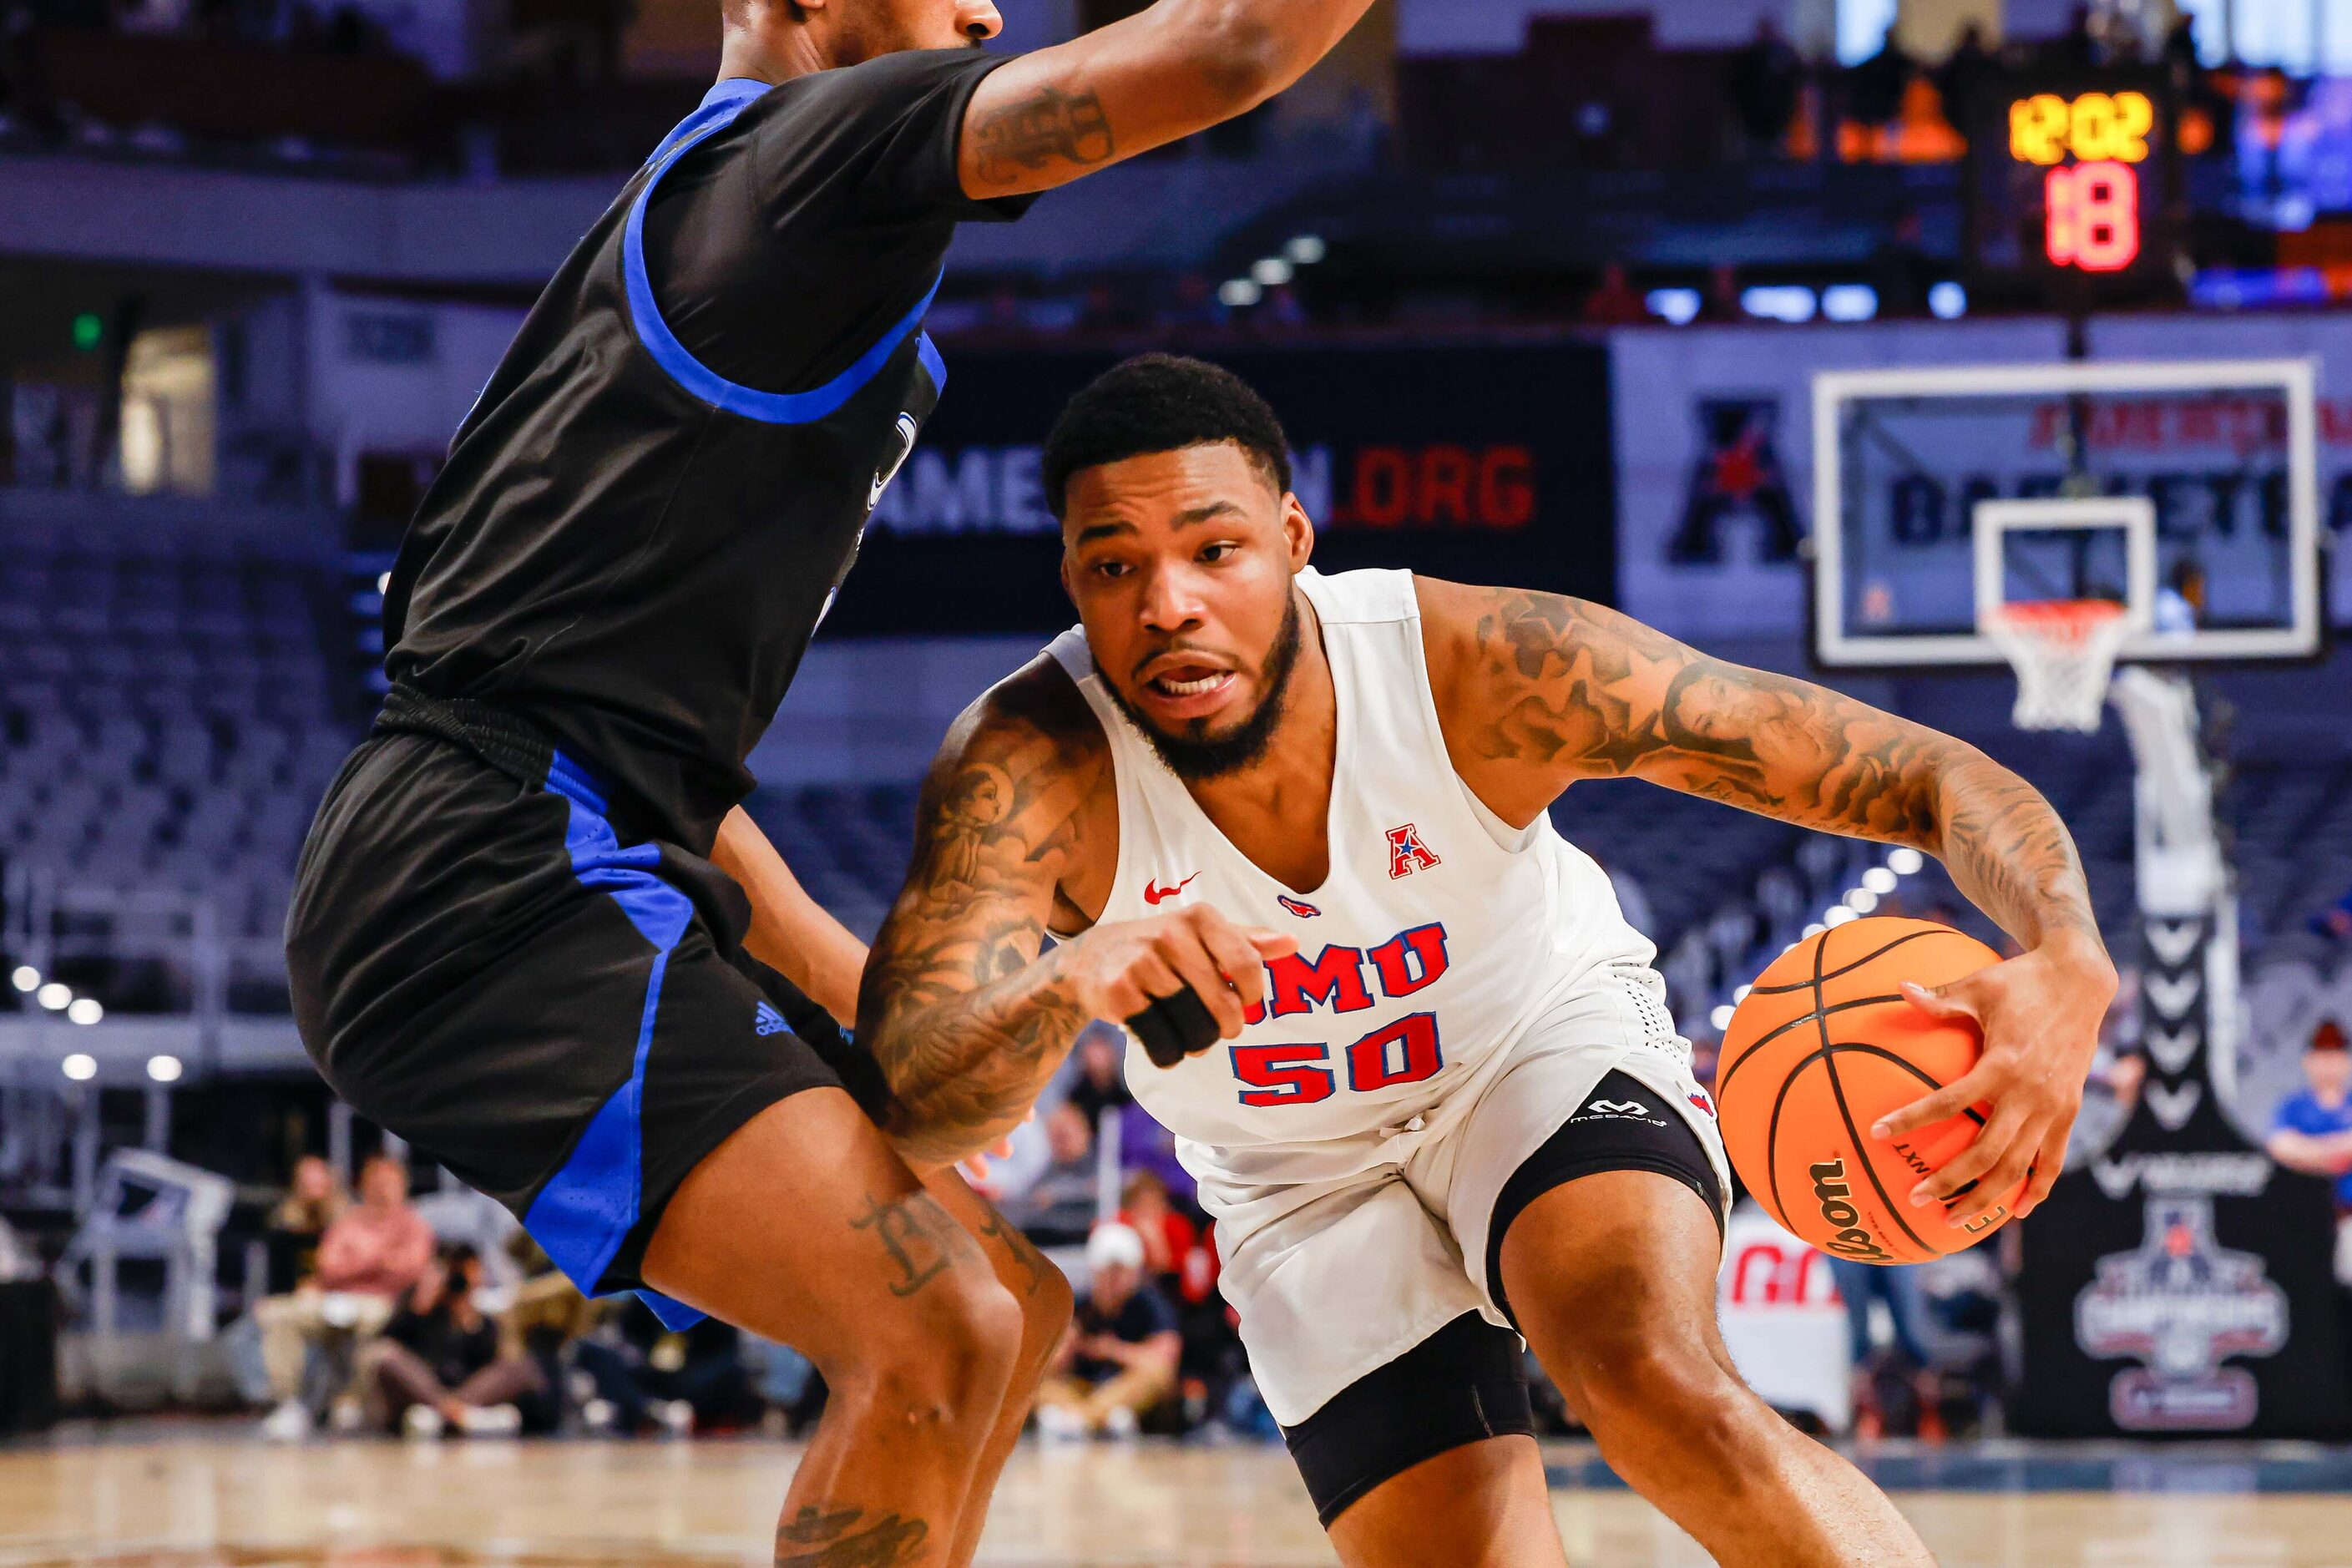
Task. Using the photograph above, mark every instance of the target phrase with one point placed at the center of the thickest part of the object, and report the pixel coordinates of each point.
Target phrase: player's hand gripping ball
(1824, 1045)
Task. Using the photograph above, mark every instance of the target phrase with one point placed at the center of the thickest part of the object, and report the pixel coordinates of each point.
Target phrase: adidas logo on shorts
(1617, 1110)
(766, 1020)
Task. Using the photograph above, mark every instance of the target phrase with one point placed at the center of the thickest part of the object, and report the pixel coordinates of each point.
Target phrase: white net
(2064, 651)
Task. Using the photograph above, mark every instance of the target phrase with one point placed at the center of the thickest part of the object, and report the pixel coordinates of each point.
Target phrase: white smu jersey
(1439, 933)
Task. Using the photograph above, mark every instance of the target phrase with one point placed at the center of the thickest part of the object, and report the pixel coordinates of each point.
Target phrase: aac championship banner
(1480, 463)
(1714, 443)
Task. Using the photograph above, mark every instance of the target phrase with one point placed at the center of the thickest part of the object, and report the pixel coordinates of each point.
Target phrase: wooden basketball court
(214, 1498)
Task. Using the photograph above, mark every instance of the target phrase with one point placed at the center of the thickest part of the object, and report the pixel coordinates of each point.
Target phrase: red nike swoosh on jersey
(1153, 893)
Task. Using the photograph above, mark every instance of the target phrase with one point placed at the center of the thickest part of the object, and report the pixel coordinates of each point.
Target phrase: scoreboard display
(2073, 180)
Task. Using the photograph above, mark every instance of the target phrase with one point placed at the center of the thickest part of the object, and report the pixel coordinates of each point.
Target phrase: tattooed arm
(1017, 831)
(1541, 692)
(1044, 119)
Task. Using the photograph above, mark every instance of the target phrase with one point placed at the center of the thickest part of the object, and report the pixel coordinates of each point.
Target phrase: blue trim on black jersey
(719, 108)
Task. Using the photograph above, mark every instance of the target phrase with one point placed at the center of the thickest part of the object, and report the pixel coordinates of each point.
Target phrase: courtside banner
(1713, 447)
(1483, 463)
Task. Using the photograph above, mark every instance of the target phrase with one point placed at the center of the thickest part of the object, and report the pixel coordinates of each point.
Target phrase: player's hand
(975, 1167)
(2039, 1014)
(1119, 969)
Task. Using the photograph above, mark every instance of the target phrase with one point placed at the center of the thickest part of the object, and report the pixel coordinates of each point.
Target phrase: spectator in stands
(2335, 919)
(437, 1365)
(1970, 67)
(1721, 302)
(1874, 88)
(1901, 270)
(1118, 1362)
(1766, 78)
(1899, 1286)
(314, 1200)
(1101, 1083)
(651, 1380)
(2312, 1131)
(1616, 302)
(367, 1259)
(1058, 1209)
(1169, 1236)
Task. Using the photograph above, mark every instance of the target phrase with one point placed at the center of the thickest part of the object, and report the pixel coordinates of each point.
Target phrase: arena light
(1905, 861)
(383, 581)
(1307, 249)
(1947, 302)
(80, 1067)
(1790, 302)
(1861, 900)
(84, 1010)
(27, 978)
(1879, 880)
(1720, 1017)
(54, 997)
(1271, 272)
(164, 1070)
(1839, 915)
(1679, 306)
(1850, 302)
(1815, 929)
(1240, 293)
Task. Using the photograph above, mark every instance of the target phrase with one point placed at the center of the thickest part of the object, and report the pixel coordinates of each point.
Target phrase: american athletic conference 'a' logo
(1408, 853)
(2181, 1303)
(1737, 472)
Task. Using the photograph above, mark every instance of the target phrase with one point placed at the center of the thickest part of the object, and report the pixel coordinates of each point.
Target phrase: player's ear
(1297, 532)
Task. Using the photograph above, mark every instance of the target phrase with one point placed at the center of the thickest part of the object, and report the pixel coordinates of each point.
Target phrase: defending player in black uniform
(534, 934)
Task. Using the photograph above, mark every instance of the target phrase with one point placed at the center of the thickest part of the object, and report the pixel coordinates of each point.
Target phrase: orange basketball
(1821, 1047)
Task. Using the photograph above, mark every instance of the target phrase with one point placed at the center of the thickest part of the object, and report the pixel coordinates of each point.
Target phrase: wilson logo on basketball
(1831, 1191)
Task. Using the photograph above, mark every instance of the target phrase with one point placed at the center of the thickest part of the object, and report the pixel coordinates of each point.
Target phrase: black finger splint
(1174, 1027)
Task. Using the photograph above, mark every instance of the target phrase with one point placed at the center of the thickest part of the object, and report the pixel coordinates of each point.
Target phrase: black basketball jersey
(651, 505)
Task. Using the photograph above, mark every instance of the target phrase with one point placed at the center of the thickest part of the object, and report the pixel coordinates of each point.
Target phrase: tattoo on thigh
(844, 1538)
(919, 1235)
(1029, 135)
(1031, 1263)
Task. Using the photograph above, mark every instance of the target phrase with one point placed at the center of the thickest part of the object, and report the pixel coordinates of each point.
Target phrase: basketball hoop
(2064, 651)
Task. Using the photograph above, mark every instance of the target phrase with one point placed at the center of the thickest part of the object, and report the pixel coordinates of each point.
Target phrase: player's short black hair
(1161, 403)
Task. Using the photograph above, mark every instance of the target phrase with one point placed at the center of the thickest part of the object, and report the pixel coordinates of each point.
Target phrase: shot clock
(2073, 180)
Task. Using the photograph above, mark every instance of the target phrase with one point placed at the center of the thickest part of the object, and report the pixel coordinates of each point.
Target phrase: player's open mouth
(1190, 681)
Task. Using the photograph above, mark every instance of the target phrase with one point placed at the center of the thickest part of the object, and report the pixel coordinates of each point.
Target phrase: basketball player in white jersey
(1446, 1096)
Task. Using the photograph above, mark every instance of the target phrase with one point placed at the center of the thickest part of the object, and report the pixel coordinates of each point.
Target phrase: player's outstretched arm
(1541, 692)
(1045, 118)
(791, 932)
(967, 1023)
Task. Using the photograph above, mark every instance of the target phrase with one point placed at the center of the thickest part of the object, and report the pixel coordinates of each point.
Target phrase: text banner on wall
(2325, 338)
(1715, 470)
(1480, 463)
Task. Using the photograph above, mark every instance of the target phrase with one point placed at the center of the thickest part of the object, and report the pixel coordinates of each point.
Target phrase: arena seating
(167, 724)
(169, 716)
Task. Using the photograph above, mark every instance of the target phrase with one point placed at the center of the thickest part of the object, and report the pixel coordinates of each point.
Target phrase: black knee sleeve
(1460, 1385)
(1622, 1125)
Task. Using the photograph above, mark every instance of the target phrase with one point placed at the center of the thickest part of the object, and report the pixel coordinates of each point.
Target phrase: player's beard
(1195, 755)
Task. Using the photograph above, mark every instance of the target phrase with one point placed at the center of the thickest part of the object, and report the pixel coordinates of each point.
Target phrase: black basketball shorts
(566, 1021)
